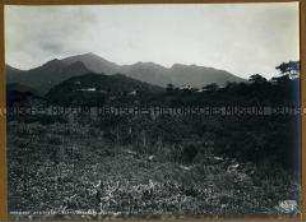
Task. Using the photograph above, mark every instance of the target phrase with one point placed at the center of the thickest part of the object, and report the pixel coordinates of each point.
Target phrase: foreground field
(53, 170)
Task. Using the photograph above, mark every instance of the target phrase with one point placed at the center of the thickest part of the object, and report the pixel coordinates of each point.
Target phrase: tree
(291, 68)
(257, 79)
(170, 87)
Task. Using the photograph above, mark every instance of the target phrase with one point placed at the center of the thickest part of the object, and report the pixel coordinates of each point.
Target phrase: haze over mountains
(45, 77)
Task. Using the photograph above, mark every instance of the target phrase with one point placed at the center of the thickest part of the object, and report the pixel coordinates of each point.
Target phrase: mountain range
(52, 73)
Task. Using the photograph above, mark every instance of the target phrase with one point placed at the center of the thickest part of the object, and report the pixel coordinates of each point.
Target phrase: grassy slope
(44, 176)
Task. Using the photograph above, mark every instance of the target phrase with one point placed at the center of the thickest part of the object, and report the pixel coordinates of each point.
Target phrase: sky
(243, 39)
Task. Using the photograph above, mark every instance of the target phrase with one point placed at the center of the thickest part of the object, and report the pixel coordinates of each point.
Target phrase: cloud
(241, 38)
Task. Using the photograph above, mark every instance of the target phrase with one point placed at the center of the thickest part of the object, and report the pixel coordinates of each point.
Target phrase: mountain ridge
(51, 73)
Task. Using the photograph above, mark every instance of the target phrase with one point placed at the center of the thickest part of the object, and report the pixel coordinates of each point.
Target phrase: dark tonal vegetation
(130, 164)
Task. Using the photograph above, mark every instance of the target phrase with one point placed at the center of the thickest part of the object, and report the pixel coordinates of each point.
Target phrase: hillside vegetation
(156, 163)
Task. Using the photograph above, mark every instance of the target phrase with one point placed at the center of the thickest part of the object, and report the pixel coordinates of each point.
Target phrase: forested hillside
(116, 145)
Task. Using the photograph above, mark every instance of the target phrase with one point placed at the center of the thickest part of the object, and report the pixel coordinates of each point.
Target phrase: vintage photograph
(153, 109)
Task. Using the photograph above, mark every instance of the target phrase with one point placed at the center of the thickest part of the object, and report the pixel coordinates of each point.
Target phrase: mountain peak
(83, 57)
(90, 54)
(179, 65)
(149, 65)
(94, 63)
(53, 62)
